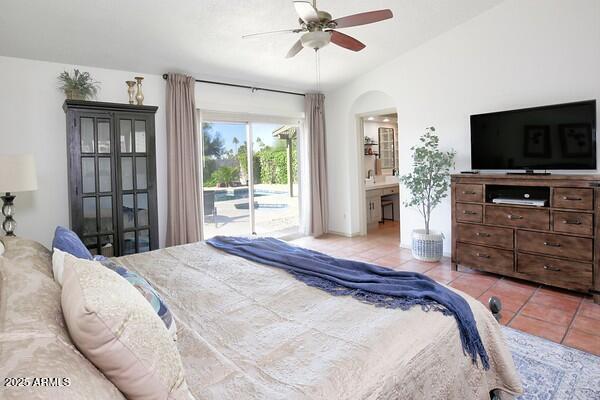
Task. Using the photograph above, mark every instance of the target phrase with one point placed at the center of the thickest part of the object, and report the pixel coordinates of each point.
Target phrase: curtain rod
(253, 88)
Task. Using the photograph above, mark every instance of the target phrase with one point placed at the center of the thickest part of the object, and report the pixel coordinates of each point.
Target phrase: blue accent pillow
(145, 289)
(66, 240)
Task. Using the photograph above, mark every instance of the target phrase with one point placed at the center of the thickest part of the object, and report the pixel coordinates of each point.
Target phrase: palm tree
(226, 175)
(235, 143)
(260, 143)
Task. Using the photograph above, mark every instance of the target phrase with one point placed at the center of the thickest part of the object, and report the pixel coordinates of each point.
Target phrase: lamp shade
(17, 173)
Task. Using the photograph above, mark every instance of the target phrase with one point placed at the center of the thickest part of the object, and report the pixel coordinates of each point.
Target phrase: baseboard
(349, 235)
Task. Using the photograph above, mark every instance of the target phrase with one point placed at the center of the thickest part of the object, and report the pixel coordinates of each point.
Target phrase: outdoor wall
(520, 53)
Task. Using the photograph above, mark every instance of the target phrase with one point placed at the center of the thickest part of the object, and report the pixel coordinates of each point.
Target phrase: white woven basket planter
(427, 247)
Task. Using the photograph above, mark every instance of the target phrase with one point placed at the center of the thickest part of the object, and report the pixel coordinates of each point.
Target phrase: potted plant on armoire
(428, 184)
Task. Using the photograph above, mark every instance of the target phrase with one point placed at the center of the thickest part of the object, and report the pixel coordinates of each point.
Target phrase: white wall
(521, 53)
(32, 121)
(241, 101)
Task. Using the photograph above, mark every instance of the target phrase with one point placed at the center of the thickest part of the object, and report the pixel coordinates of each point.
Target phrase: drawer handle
(571, 222)
(469, 212)
(572, 198)
(551, 268)
(482, 234)
(482, 255)
(550, 244)
(468, 192)
(514, 217)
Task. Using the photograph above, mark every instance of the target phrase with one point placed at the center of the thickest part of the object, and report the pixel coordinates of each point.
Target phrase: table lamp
(17, 174)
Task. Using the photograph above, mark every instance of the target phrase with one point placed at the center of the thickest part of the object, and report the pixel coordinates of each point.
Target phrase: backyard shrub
(273, 165)
(226, 175)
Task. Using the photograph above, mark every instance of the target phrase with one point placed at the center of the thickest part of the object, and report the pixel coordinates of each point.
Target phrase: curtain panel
(314, 127)
(183, 217)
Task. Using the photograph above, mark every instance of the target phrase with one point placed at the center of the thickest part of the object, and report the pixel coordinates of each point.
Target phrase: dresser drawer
(518, 217)
(567, 274)
(484, 258)
(469, 192)
(374, 193)
(579, 199)
(556, 245)
(486, 235)
(392, 190)
(573, 222)
(469, 212)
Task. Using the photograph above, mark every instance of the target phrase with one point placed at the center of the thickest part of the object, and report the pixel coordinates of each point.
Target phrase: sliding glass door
(245, 195)
(275, 186)
(225, 197)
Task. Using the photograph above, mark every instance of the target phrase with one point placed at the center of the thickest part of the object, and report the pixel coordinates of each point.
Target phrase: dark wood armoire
(112, 176)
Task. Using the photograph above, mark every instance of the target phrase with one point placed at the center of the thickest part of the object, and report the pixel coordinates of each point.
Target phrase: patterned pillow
(66, 240)
(147, 291)
(119, 332)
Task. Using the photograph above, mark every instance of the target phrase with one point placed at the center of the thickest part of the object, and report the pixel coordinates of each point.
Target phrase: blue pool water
(242, 193)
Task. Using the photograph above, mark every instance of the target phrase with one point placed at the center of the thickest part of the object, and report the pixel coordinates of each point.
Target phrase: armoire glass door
(97, 179)
(133, 184)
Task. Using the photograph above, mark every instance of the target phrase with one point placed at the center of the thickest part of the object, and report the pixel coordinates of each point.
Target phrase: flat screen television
(561, 137)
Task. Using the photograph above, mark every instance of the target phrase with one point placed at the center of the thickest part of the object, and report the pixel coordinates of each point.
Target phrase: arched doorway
(373, 116)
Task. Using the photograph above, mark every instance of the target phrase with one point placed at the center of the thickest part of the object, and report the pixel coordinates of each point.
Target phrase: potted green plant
(428, 184)
(79, 86)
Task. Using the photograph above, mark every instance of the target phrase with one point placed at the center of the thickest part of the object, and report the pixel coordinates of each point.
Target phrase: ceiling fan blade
(272, 33)
(345, 41)
(363, 18)
(306, 11)
(295, 49)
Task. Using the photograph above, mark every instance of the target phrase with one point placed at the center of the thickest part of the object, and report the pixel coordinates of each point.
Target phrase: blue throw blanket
(369, 283)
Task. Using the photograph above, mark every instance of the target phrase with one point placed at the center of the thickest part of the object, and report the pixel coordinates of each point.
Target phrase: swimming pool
(242, 193)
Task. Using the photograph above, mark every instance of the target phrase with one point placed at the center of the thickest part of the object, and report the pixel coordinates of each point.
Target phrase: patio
(276, 213)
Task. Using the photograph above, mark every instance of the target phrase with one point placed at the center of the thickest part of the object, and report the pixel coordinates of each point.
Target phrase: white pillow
(117, 329)
(58, 264)
(1, 248)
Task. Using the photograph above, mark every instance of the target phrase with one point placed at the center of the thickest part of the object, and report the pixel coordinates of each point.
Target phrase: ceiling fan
(320, 28)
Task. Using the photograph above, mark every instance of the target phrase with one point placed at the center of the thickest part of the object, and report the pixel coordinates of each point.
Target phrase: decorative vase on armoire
(112, 176)
(139, 95)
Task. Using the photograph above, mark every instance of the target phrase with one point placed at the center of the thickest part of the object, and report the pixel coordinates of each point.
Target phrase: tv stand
(540, 228)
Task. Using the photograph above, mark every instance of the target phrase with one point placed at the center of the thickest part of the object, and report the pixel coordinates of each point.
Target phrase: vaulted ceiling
(203, 37)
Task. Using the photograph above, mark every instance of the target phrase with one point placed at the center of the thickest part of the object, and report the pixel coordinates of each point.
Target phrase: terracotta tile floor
(561, 316)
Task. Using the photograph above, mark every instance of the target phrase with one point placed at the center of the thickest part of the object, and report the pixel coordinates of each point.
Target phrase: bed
(249, 331)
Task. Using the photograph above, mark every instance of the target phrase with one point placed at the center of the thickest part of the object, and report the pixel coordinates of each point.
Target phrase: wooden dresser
(557, 244)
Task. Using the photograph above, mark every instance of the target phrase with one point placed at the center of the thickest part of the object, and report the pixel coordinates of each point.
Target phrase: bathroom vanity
(374, 192)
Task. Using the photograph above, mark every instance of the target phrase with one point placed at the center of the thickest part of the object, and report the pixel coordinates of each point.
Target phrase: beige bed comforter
(249, 331)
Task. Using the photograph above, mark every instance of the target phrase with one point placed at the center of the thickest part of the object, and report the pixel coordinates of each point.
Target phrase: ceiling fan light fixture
(315, 40)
